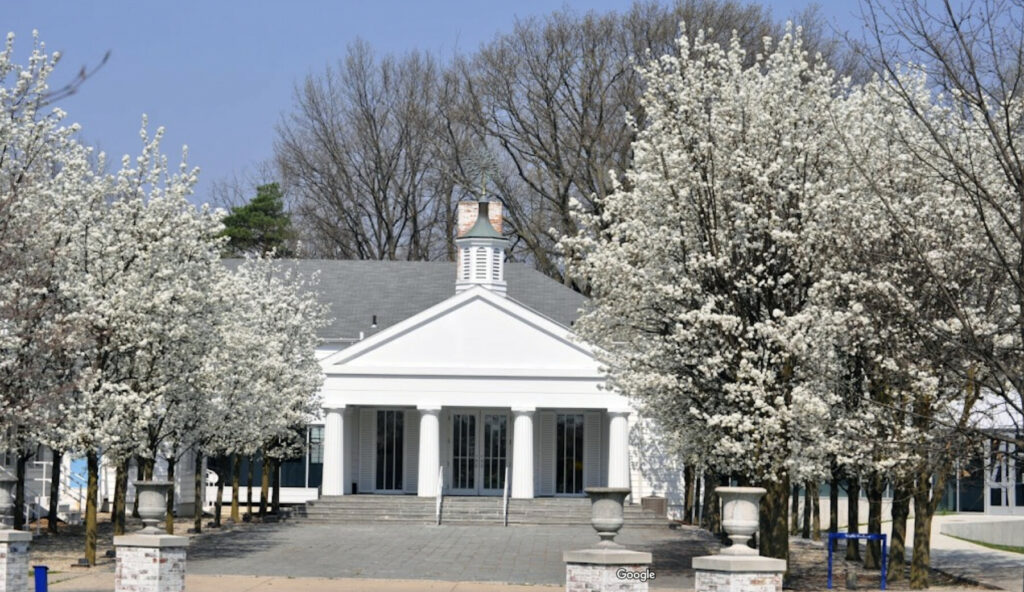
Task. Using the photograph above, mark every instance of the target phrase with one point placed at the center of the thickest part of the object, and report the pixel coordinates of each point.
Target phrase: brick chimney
(468, 213)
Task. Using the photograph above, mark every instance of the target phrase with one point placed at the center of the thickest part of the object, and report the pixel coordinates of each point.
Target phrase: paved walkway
(104, 582)
(991, 567)
(396, 558)
(385, 553)
(517, 554)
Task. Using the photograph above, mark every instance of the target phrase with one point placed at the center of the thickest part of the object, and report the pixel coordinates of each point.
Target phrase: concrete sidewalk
(104, 582)
(990, 567)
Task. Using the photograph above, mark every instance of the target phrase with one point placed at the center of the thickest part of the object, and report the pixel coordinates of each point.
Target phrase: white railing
(440, 494)
(504, 501)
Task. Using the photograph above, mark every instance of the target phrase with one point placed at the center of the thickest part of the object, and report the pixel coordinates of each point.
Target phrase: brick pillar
(14, 560)
(150, 563)
(608, 570)
(750, 573)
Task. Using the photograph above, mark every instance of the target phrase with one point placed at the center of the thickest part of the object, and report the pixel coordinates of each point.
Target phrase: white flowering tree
(46, 182)
(137, 278)
(915, 269)
(702, 259)
(263, 377)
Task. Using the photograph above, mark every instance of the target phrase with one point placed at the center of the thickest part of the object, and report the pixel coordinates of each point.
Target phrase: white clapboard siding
(546, 484)
(592, 457)
(367, 448)
(411, 462)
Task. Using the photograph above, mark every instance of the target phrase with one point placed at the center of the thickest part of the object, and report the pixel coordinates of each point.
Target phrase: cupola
(481, 247)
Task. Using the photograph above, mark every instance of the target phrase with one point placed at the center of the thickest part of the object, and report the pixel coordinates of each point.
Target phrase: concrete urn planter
(740, 516)
(606, 512)
(7, 484)
(152, 504)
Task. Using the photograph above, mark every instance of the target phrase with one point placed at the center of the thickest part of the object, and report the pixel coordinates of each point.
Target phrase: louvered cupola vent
(481, 247)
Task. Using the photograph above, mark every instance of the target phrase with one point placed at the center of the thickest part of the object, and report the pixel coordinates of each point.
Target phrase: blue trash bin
(41, 575)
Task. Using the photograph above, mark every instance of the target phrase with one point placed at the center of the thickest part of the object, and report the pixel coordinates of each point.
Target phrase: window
(569, 454)
(390, 432)
(316, 444)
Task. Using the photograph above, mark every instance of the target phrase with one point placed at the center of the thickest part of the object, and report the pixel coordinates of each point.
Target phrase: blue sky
(218, 75)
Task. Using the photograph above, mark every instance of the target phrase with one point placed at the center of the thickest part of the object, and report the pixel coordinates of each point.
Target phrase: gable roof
(356, 291)
(445, 339)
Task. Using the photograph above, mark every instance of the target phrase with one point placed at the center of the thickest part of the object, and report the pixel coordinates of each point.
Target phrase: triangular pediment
(473, 333)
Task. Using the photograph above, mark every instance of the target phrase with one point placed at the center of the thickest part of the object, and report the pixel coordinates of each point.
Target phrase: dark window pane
(569, 454)
(390, 435)
(293, 473)
(316, 444)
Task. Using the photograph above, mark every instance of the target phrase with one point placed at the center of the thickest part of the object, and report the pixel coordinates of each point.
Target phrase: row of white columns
(336, 469)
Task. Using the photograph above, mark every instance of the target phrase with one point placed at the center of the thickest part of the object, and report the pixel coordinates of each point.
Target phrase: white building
(465, 373)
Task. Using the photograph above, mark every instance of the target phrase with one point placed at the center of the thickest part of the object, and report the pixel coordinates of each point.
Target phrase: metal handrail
(440, 494)
(504, 501)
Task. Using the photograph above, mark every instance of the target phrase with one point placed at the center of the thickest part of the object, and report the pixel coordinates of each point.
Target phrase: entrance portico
(473, 450)
(478, 392)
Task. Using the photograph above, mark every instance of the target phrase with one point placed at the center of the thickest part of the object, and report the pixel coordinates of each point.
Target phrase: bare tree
(552, 101)
(360, 156)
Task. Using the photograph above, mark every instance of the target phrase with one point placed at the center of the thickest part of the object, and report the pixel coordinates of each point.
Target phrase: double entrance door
(479, 449)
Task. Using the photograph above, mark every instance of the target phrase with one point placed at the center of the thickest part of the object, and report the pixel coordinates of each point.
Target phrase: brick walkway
(517, 554)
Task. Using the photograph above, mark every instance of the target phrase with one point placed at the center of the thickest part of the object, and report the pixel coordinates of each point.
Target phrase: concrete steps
(459, 510)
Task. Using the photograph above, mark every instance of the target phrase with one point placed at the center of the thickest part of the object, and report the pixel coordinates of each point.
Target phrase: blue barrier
(834, 536)
(40, 571)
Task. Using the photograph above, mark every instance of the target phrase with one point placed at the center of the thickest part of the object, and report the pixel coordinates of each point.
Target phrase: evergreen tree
(260, 226)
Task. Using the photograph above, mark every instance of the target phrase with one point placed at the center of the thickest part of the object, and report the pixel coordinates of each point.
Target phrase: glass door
(479, 448)
(390, 438)
(495, 453)
(464, 453)
(569, 454)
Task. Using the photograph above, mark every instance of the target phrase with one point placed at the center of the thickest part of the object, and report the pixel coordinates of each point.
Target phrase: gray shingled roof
(355, 291)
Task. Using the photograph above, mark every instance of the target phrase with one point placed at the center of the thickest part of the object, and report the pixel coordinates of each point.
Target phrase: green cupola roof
(482, 228)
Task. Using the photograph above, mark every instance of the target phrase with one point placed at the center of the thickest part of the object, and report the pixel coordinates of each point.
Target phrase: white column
(334, 451)
(522, 454)
(618, 448)
(430, 451)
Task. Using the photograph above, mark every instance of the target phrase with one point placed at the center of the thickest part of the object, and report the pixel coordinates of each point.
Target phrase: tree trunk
(138, 477)
(92, 490)
(264, 486)
(688, 487)
(169, 515)
(198, 482)
(55, 470)
(774, 532)
(852, 518)
(794, 511)
(898, 549)
(222, 476)
(117, 513)
(697, 493)
(815, 512)
(236, 474)
(712, 518)
(921, 559)
(248, 488)
(275, 480)
(833, 503)
(805, 532)
(873, 549)
(19, 489)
